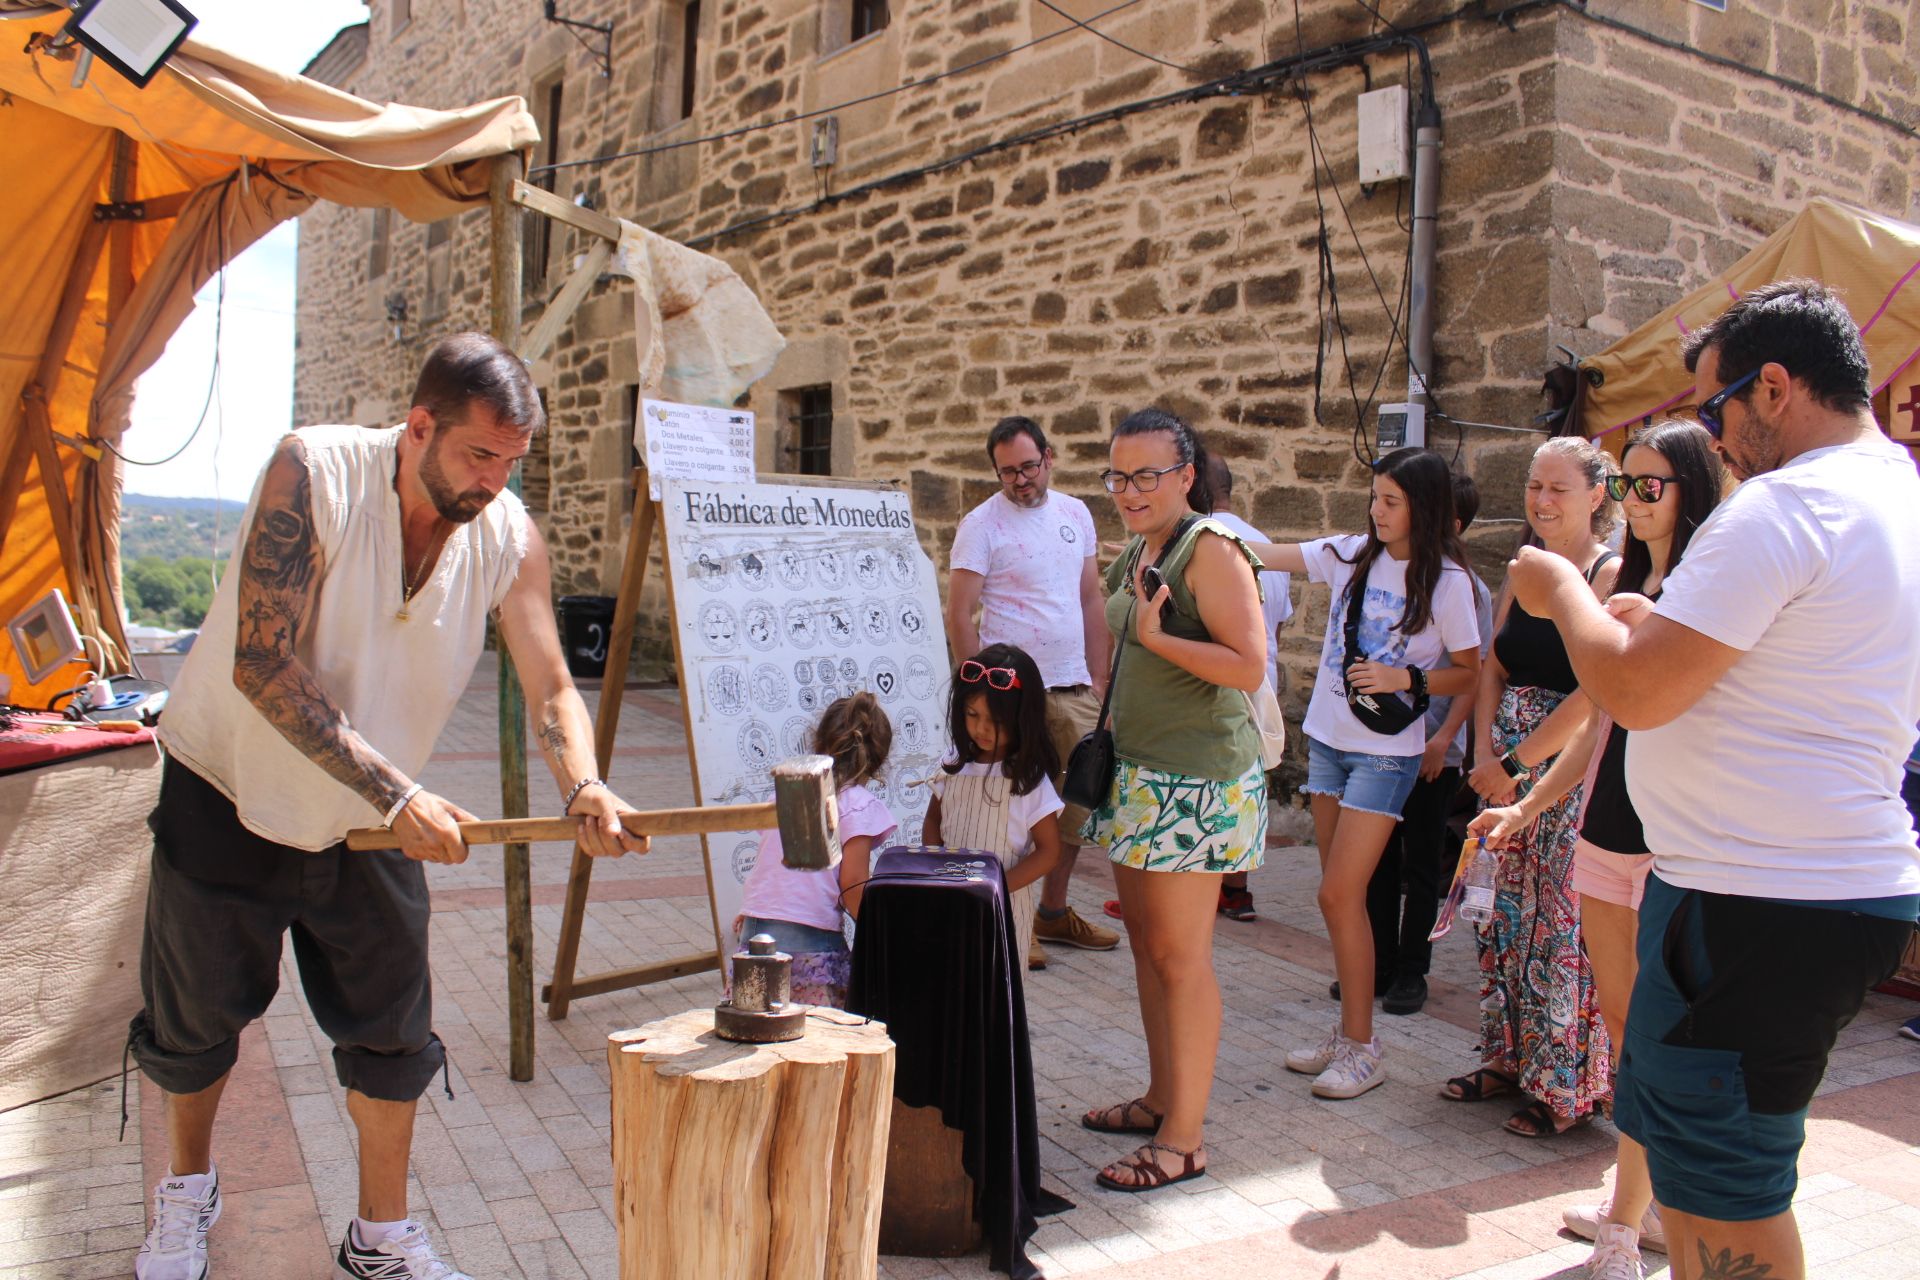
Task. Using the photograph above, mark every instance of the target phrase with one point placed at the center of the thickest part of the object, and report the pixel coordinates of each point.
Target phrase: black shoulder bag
(1090, 768)
(1382, 713)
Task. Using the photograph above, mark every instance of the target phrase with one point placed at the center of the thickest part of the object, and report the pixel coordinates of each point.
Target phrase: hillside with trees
(168, 549)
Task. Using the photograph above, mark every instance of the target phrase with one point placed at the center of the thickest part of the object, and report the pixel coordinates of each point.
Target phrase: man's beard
(1756, 452)
(459, 508)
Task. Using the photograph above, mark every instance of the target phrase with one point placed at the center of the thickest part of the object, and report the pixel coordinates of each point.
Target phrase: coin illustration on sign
(769, 688)
(745, 854)
(799, 624)
(825, 667)
(708, 569)
(901, 567)
(828, 696)
(753, 570)
(790, 566)
(838, 623)
(726, 689)
(875, 624)
(869, 568)
(758, 750)
(831, 569)
(913, 623)
(719, 627)
(884, 677)
(796, 735)
(913, 729)
(920, 677)
(803, 671)
(807, 698)
(878, 785)
(761, 624)
(849, 671)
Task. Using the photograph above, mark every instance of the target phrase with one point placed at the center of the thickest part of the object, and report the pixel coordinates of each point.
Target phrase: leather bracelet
(578, 787)
(1416, 682)
(406, 798)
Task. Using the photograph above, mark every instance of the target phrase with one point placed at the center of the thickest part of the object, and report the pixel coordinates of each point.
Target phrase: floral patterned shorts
(1160, 821)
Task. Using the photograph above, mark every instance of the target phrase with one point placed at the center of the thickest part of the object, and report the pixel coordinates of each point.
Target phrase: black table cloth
(934, 959)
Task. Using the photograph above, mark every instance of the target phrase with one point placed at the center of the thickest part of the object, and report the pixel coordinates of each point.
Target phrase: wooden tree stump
(739, 1161)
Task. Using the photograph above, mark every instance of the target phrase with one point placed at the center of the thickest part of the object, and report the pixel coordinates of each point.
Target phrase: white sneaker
(407, 1256)
(1311, 1062)
(1616, 1254)
(1355, 1068)
(1585, 1221)
(176, 1245)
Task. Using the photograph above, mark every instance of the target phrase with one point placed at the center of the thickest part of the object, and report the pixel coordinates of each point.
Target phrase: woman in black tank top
(1540, 1028)
(1671, 482)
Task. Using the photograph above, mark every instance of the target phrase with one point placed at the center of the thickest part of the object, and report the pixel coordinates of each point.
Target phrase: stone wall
(1169, 255)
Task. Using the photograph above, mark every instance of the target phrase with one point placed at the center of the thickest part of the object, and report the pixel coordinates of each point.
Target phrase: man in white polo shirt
(1772, 694)
(1024, 560)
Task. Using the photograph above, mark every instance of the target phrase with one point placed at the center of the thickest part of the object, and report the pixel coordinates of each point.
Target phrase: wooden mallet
(804, 808)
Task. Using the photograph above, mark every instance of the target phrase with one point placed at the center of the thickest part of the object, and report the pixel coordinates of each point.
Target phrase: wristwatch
(1511, 763)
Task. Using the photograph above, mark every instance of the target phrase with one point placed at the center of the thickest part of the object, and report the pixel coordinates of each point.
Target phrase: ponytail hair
(1187, 447)
(857, 734)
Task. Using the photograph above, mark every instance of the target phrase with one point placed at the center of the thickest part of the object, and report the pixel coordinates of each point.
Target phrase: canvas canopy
(119, 203)
(1873, 260)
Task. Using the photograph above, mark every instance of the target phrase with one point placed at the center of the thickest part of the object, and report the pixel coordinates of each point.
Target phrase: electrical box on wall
(824, 149)
(1383, 135)
(1401, 426)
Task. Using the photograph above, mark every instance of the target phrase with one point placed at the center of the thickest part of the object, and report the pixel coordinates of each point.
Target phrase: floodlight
(44, 636)
(134, 37)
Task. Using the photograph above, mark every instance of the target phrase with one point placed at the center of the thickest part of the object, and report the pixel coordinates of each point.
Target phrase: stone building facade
(1073, 224)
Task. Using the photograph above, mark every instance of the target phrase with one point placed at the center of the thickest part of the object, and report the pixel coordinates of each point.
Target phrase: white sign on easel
(696, 442)
(787, 597)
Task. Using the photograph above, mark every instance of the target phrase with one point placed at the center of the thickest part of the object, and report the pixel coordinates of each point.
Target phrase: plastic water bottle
(1476, 900)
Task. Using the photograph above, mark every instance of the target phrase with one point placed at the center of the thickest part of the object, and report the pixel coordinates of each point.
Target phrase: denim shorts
(1361, 781)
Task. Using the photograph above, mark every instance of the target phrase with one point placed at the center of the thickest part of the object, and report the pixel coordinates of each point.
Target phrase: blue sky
(253, 404)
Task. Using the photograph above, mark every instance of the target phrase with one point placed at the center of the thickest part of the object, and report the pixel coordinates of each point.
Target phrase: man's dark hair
(1007, 428)
(470, 367)
(1466, 500)
(1220, 477)
(1800, 325)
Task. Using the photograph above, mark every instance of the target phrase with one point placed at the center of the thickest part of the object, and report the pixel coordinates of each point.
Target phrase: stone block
(1082, 176)
(1157, 157)
(1590, 102)
(977, 193)
(1140, 301)
(1049, 308)
(1282, 290)
(1220, 298)
(1222, 132)
(1029, 189)
(1612, 220)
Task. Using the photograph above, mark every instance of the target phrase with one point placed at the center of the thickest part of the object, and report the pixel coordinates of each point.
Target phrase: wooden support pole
(504, 221)
(561, 209)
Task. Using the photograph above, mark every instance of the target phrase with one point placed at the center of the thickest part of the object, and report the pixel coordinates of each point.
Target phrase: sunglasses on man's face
(1003, 678)
(1708, 413)
(1645, 488)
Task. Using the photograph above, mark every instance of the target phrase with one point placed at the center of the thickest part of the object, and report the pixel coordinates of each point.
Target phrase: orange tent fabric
(1872, 259)
(214, 153)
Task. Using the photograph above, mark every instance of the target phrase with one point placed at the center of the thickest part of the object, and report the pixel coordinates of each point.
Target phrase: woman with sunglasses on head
(1189, 799)
(1672, 481)
(994, 794)
(1402, 598)
(1540, 1030)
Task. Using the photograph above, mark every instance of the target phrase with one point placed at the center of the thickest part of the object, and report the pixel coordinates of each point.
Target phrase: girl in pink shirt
(801, 909)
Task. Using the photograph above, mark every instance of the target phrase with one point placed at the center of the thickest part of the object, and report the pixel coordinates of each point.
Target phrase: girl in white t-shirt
(993, 793)
(799, 907)
(1417, 605)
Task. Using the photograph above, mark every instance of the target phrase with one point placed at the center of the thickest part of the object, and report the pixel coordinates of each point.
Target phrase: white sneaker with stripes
(184, 1208)
(407, 1256)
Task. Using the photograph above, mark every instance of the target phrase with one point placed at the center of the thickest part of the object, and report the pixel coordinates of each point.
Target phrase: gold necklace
(410, 584)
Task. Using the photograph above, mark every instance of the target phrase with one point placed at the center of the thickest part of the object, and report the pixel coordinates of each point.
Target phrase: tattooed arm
(279, 583)
(559, 714)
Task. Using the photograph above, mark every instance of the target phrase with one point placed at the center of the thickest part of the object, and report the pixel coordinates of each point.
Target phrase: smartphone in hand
(1151, 580)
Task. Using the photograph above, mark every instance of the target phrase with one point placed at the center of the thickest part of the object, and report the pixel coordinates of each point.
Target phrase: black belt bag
(1382, 713)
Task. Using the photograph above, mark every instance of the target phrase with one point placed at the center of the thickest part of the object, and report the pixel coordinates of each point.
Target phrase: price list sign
(696, 442)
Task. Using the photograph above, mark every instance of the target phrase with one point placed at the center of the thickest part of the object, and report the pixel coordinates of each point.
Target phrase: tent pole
(504, 221)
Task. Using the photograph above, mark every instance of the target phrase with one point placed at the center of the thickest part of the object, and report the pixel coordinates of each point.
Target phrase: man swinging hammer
(337, 647)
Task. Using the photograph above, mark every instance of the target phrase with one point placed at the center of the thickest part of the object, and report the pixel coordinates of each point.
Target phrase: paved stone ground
(515, 1180)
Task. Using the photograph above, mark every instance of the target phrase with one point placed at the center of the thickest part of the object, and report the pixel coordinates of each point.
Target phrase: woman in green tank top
(1189, 800)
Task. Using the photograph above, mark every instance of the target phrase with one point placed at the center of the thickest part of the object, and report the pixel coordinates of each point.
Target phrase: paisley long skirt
(1539, 1011)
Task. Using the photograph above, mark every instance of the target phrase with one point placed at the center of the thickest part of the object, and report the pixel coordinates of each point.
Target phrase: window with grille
(809, 448)
(869, 16)
(689, 58)
(537, 244)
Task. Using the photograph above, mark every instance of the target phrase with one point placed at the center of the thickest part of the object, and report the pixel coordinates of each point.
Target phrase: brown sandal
(1098, 1119)
(1149, 1174)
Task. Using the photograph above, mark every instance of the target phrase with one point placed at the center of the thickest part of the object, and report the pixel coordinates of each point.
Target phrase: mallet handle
(645, 822)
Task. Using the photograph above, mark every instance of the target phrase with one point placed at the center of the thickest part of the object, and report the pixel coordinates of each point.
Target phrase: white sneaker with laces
(407, 1256)
(1616, 1254)
(176, 1244)
(1355, 1068)
(1585, 1221)
(1312, 1061)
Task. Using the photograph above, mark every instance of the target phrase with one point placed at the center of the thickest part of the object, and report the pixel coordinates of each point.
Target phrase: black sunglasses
(1708, 413)
(1646, 488)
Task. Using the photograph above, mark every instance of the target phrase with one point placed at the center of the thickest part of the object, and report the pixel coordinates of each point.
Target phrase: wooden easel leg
(606, 725)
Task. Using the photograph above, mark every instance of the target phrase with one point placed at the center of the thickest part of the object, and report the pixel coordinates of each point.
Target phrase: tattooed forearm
(553, 736)
(279, 574)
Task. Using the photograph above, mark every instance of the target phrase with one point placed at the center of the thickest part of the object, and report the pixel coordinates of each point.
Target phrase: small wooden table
(750, 1160)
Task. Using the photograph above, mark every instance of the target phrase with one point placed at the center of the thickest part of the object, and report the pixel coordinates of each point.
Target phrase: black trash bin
(586, 625)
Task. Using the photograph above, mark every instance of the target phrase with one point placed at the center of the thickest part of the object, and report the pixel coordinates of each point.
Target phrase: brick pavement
(515, 1180)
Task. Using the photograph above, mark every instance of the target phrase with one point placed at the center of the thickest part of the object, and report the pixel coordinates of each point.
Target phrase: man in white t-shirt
(1772, 694)
(1024, 560)
(1276, 606)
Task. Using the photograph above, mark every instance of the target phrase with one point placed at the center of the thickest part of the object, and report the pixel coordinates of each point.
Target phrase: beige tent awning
(1873, 260)
(119, 204)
